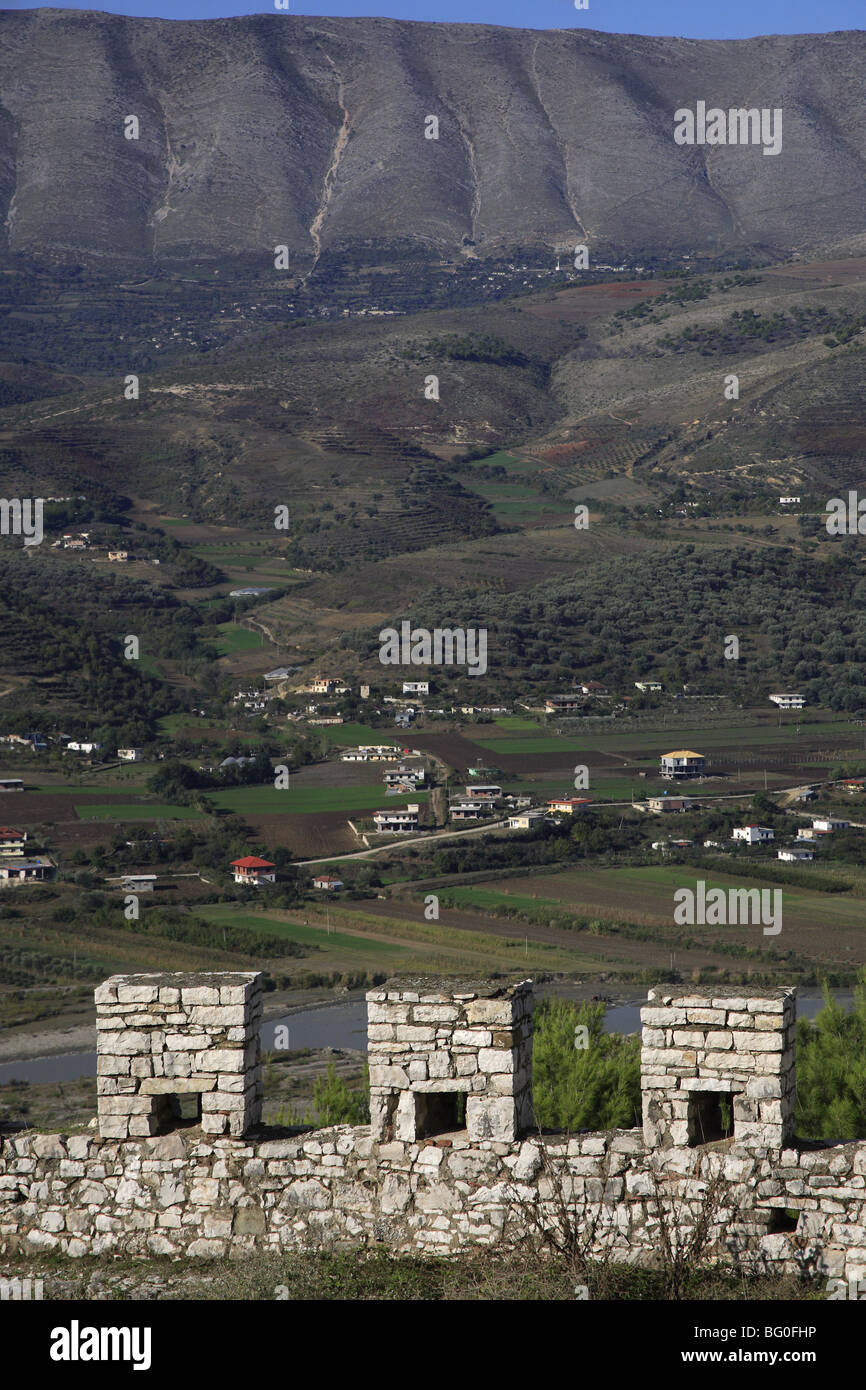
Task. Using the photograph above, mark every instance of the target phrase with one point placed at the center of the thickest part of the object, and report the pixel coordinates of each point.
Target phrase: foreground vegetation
(528, 1275)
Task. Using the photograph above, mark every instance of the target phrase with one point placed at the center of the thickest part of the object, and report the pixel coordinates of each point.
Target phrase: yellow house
(683, 762)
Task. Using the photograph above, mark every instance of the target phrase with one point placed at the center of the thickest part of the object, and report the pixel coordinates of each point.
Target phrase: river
(342, 1026)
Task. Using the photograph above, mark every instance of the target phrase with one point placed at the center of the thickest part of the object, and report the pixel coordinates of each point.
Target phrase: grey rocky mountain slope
(275, 129)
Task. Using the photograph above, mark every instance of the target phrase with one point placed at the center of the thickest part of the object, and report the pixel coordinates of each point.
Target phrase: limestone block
(495, 1060)
(199, 994)
(176, 1085)
(491, 1118)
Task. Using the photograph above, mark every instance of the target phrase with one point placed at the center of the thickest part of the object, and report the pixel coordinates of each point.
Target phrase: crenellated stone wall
(185, 1192)
(161, 1037)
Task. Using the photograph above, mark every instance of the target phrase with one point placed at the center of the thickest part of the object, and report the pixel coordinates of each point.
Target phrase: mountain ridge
(269, 130)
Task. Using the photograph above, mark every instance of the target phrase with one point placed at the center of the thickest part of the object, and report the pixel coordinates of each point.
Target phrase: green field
(295, 931)
(515, 502)
(141, 810)
(509, 462)
(268, 801)
(487, 899)
(171, 724)
(82, 789)
(753, 737)
(235, 638)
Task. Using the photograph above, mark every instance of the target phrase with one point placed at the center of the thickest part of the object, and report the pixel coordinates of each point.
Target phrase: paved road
(499, 825)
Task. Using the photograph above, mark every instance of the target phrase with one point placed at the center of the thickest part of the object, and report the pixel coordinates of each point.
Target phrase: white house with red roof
(254, 871)
(328, 882)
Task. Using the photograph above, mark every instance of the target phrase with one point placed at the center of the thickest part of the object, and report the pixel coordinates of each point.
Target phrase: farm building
(789, 701)
(682, 762)
(83, 747)
(826, 825)
(648, 686)
(11, 784)
(130, 755)
(416, 687)
(328, 882)
(14, 870)
(253, 870)
(753, 834)
(796, 854)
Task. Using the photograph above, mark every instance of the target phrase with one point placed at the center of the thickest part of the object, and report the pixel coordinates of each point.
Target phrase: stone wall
(187, 1192)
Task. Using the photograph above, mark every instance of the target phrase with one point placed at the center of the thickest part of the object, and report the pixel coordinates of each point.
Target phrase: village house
(327, 685)
(416, 687)
(525, 820)
(796, 854)
(561, 704)
(826, 825)
(14, 870)
(394, 776)
(12, 841)
(120, 556)
(806, 832)
(483, 792)
(468, 810)
(254, 871)
(83, 747)
(682, 762)
(646, 687)
(660, 805)
(401, 819)
(328, 883)
(753, 834)
(130, 755)
(138, 883)
(594, 688)
(569, 805)
(789, 701)
(853, 785)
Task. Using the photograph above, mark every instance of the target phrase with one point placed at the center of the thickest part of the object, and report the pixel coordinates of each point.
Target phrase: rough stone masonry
(451, 1158)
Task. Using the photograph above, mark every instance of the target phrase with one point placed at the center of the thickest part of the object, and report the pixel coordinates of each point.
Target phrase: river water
(342, 1025)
